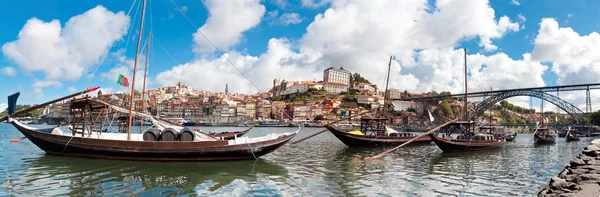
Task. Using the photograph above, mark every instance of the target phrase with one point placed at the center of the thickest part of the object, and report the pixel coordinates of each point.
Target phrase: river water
(320, 166)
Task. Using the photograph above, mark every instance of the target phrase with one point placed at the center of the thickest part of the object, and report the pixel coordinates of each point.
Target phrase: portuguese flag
(123, 81)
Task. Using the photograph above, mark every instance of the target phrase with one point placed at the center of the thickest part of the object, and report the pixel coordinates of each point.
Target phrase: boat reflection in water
(84, 177)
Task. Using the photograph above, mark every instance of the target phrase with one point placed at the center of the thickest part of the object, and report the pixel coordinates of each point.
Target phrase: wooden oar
(317, 133)
(17, 113)
(17, 139)
(409, 141)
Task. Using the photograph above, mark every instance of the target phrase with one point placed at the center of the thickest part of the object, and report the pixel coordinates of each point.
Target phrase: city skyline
(509, 44)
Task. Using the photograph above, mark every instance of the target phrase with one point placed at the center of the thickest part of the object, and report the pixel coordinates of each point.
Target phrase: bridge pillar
(588, 101)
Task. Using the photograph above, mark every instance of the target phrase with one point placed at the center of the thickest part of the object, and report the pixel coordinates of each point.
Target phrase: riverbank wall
(581, 177)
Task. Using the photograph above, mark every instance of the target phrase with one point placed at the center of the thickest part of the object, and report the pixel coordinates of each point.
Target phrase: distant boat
(372, 135)
(189, 124)
(510, 137)
(571, 135)
(544, 136)
(466, 141)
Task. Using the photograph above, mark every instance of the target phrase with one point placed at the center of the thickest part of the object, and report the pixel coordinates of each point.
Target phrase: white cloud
(290, 18)
(521, 18)
(566, 49)
(315, 3)
(569, 15)
(280, 3)
(184, 9)
(212, 74)
(124, 66)
(365, 35)
(9, 71)
(72, 89)
(226, 22)
(66, 53)
(3, 106)
(515, 2)
(575, 58)
(283, 20)
(46, 83)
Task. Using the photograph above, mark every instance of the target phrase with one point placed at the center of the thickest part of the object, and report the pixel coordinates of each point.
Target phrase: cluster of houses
(181, 101)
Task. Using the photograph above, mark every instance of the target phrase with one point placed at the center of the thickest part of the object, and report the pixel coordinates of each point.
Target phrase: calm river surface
(321, 166)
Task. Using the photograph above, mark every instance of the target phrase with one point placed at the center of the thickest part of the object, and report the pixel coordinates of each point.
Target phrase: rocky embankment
(581, 177)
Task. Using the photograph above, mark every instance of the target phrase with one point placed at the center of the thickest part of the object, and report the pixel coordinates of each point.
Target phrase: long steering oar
(535, 132)
(13, 102)
(317, 133)
(23, 111)
(409, 141)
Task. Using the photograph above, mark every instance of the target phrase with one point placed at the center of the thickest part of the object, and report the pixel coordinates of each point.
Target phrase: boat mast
(386, 96)
(134, 68)
(466, 112)
(145, 72)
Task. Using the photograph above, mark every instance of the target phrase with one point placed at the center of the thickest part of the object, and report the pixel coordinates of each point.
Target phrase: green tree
(447, 108)
(595, 118)
(411, 110)
(319, 117)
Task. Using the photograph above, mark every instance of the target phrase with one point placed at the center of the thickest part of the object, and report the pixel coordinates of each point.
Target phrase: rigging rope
(216, 49)
(106, 52)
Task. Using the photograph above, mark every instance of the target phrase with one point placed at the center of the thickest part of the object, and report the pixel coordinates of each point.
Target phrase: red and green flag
(123, 81)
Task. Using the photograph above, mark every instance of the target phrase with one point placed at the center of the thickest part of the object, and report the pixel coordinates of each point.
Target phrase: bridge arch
(571, 109)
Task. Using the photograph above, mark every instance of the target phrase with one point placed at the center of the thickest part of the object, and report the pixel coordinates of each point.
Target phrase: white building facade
(337, 75)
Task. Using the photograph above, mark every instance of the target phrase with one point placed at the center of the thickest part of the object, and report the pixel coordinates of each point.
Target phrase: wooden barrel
(187, 135)
(151, 134)
(169, 134)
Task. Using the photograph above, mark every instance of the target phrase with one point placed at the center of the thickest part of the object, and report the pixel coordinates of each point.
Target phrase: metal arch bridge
(571, 109)
(591, 86)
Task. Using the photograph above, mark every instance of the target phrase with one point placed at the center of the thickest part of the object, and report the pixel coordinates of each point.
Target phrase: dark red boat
(544, 136)
(151, 150)
(486, 142)
(571, 135)
(466, 140)
(162, 142)
(373, 133)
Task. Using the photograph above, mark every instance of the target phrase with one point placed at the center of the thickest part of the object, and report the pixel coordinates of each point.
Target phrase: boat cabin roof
(81, 103)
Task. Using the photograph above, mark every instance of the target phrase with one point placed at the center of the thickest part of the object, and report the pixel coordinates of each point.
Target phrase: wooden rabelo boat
(499, 132)
(544, 136)
(510, 137)
(466, 139)
(571, 135)
(161, 142)
(373, 132)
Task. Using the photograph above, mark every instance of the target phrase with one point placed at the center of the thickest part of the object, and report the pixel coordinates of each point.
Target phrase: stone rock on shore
(581, 176)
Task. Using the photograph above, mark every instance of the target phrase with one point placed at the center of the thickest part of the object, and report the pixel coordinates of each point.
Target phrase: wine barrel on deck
(187, 135)
(169, 134)
(151, 134)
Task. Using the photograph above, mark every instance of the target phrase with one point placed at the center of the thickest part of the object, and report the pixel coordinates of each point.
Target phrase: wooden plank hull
(151, 151)
(542, 140)
(449, 145)
(570, 138)
(365, 140)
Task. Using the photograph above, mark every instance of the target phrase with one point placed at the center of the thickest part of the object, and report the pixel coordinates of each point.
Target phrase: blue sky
(175, 33)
